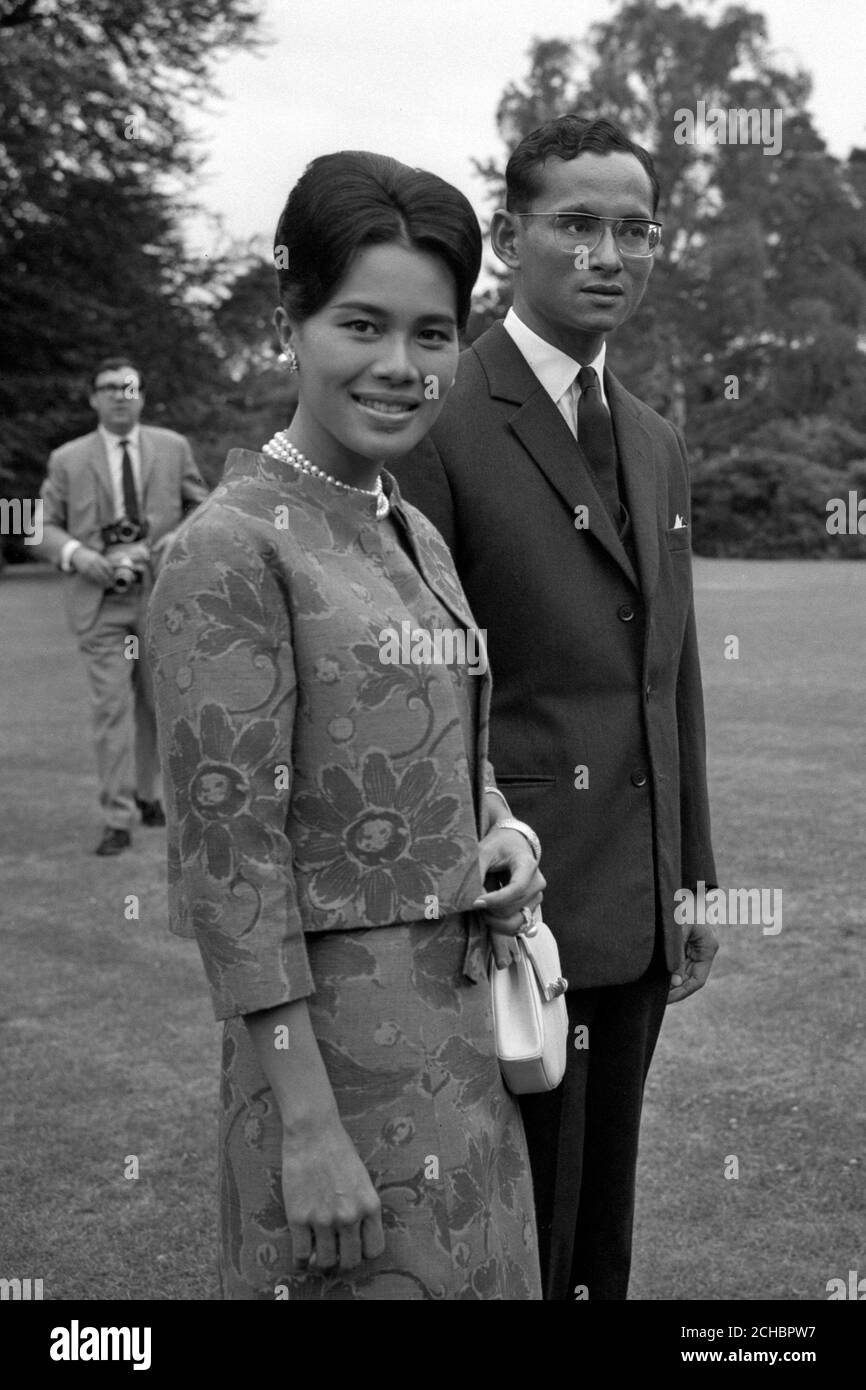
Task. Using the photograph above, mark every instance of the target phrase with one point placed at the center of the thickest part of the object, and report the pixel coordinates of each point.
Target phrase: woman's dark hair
(346, 201)
(566, 138)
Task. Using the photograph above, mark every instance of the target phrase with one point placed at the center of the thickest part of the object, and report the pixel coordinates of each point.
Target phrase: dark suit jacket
(593, 665)
(78, 502)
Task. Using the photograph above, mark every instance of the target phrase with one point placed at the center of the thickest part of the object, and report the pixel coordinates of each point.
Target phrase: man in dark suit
(565, 501)
(122, 480)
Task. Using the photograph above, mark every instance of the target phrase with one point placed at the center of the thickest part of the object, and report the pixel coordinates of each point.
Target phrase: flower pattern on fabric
(316, 800)
(380, 682)
(265, 647)
(422, 1099)
(224, 785)
(436, 557)
(235, 619)
(378, 836)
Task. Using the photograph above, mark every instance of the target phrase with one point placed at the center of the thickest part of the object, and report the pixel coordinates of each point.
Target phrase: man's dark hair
(110, 364)
(345, 202)
(566, 138)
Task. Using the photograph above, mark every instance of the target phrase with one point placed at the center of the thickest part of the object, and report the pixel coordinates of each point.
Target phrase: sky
(421, 80)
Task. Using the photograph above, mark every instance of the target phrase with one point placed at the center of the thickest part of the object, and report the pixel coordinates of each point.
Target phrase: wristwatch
(509, 823)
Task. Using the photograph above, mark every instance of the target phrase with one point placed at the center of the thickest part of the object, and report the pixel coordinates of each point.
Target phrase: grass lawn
(766, 1064)
(110, 1050)
(109, 1045)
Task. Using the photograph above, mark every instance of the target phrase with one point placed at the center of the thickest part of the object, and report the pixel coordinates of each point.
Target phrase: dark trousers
(583, 1138)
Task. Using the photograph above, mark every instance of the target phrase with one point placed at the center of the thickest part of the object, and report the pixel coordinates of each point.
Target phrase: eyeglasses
(574, 231)
(127, 388)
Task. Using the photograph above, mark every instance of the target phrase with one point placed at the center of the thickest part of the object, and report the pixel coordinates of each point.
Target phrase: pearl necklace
(281, 448)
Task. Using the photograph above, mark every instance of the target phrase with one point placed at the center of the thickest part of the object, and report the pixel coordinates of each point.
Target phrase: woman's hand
(507, 854)
(333, 1210)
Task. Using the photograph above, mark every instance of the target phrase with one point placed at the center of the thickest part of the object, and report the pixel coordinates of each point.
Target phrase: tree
(761, 277)
(259, 393)
(243, 320)
(95, 168)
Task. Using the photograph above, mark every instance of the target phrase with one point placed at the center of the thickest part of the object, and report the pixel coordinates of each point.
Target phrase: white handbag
(530, 1019)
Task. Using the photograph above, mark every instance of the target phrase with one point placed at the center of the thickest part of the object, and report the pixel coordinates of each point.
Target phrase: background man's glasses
(575, 230)
(125, 388)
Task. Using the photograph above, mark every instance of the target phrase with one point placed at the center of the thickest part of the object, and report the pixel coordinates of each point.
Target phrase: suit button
(625, 612)
(639, 779)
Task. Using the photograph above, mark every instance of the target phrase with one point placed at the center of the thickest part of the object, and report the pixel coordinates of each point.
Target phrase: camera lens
(124, 578)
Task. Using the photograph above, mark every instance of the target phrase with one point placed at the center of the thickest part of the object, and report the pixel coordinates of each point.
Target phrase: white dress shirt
(556, 371)
(114, 451)
(114, 454)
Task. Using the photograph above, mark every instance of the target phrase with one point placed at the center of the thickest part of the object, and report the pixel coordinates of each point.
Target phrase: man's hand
(137, 554)
(92, 566)
(700, 946)
(507, 854)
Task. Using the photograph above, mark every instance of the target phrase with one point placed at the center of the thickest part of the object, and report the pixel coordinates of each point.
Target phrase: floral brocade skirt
(407, 1040)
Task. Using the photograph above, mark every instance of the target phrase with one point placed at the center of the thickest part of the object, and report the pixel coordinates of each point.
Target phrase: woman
(330, 830)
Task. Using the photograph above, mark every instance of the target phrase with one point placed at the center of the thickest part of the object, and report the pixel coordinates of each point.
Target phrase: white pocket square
(679, 524)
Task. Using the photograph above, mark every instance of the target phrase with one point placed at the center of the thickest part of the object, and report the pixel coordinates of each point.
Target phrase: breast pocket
(519, 782)
(679, 538)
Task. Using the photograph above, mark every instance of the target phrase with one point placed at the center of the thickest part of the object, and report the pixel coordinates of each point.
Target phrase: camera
(125, 551)
(123, 532)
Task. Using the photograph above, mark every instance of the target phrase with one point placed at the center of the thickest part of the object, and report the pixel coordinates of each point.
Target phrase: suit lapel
(637, 461)
(432, 560)
(546, 437)
(102, 473)
(146, 461)
(99, 463)
(436, 567)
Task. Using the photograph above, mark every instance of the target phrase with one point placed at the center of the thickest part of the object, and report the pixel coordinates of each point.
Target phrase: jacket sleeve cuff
(291, 979)
(67, 553)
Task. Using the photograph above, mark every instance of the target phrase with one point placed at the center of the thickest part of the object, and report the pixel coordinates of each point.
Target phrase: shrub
(759, 503)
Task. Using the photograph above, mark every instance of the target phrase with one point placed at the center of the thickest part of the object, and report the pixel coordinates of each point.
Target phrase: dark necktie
(595, 437)
(130, 497)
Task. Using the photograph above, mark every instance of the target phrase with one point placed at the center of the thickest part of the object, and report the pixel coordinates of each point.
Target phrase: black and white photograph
(432, 667)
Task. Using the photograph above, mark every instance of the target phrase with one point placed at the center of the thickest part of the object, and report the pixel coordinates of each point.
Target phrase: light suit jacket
(597, 722)
(78, 501)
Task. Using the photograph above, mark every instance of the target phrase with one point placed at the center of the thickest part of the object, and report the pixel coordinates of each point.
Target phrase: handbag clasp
(553, 991)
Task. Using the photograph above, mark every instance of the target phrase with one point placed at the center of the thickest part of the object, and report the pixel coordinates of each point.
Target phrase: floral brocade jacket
(311, 786)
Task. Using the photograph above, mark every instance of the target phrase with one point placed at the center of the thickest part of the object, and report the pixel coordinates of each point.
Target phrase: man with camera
(111, 501)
